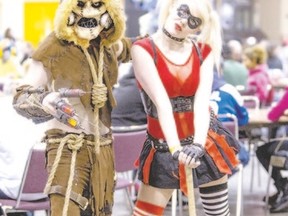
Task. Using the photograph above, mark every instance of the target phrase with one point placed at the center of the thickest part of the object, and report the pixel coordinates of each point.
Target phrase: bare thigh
(156, 196)
(222, 180)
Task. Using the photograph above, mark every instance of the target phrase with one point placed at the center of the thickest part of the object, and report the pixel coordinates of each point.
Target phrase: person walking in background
(175, 77)
(259, 84)
(278, 201)
(234, 71)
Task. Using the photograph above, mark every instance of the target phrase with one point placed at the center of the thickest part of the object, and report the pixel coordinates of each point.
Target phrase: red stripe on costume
(226, 148)
(182, 176)
(183, 129)
(144, 209)
(213, 151)
(137, 163)
(147, 166)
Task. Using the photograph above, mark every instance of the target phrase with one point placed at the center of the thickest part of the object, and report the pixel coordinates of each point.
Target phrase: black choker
(172, 37)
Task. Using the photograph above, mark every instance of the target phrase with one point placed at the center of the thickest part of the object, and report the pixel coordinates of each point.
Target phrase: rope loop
(74, 141)
(99, 94)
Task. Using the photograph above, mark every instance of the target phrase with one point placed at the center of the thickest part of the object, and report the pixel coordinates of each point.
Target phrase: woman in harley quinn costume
(174, 69)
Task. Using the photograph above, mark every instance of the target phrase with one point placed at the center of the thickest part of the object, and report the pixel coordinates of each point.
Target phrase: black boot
(273, 198)
(281, 204)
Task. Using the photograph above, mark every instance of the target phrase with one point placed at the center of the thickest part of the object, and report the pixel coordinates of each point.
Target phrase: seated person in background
(278, 110)
(258, 84)
(225, 99)
(129, 110)
(14, 149)
(278, 201)
(234, 71)
(273, 60)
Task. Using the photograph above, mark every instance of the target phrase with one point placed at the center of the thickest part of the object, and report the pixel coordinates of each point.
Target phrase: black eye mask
(184, 12)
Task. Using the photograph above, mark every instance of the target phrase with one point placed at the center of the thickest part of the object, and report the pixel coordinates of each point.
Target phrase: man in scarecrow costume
(69, 87)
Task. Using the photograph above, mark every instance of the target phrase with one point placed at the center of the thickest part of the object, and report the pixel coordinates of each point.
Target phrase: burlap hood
(65, 32)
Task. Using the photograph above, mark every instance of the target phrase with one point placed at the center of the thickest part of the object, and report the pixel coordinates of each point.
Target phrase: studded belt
(179, 104)
(162, 146)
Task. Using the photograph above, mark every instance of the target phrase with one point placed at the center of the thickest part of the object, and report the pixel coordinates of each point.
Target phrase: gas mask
(89, 18)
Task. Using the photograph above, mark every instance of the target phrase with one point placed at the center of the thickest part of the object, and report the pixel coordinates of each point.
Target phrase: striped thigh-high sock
(147, 209)
(215, 200)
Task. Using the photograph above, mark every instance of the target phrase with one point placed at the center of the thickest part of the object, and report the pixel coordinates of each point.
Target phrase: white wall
(273, 18)
(12, 16)
(284, 18)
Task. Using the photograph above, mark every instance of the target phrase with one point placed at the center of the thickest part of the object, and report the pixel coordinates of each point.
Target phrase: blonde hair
(257, 54)
(210, 30)
(65, 32)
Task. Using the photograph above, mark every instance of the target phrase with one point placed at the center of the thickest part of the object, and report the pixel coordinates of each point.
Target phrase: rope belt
(88, 139)
(73, 142)
(162, 146)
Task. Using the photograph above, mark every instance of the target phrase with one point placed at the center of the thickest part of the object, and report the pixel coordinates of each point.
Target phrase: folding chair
(254, 135)
(232, 126)
(278, 160)
(251, 102)
(32, 185)
(128, 142)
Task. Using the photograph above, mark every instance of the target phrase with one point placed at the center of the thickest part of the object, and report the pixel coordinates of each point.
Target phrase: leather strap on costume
(78, 198)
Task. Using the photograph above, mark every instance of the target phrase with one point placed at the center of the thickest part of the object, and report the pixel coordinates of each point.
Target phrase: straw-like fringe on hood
(65, 32)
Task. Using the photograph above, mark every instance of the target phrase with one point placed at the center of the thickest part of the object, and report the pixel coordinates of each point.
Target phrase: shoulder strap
(198, 51)
(153, 50)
